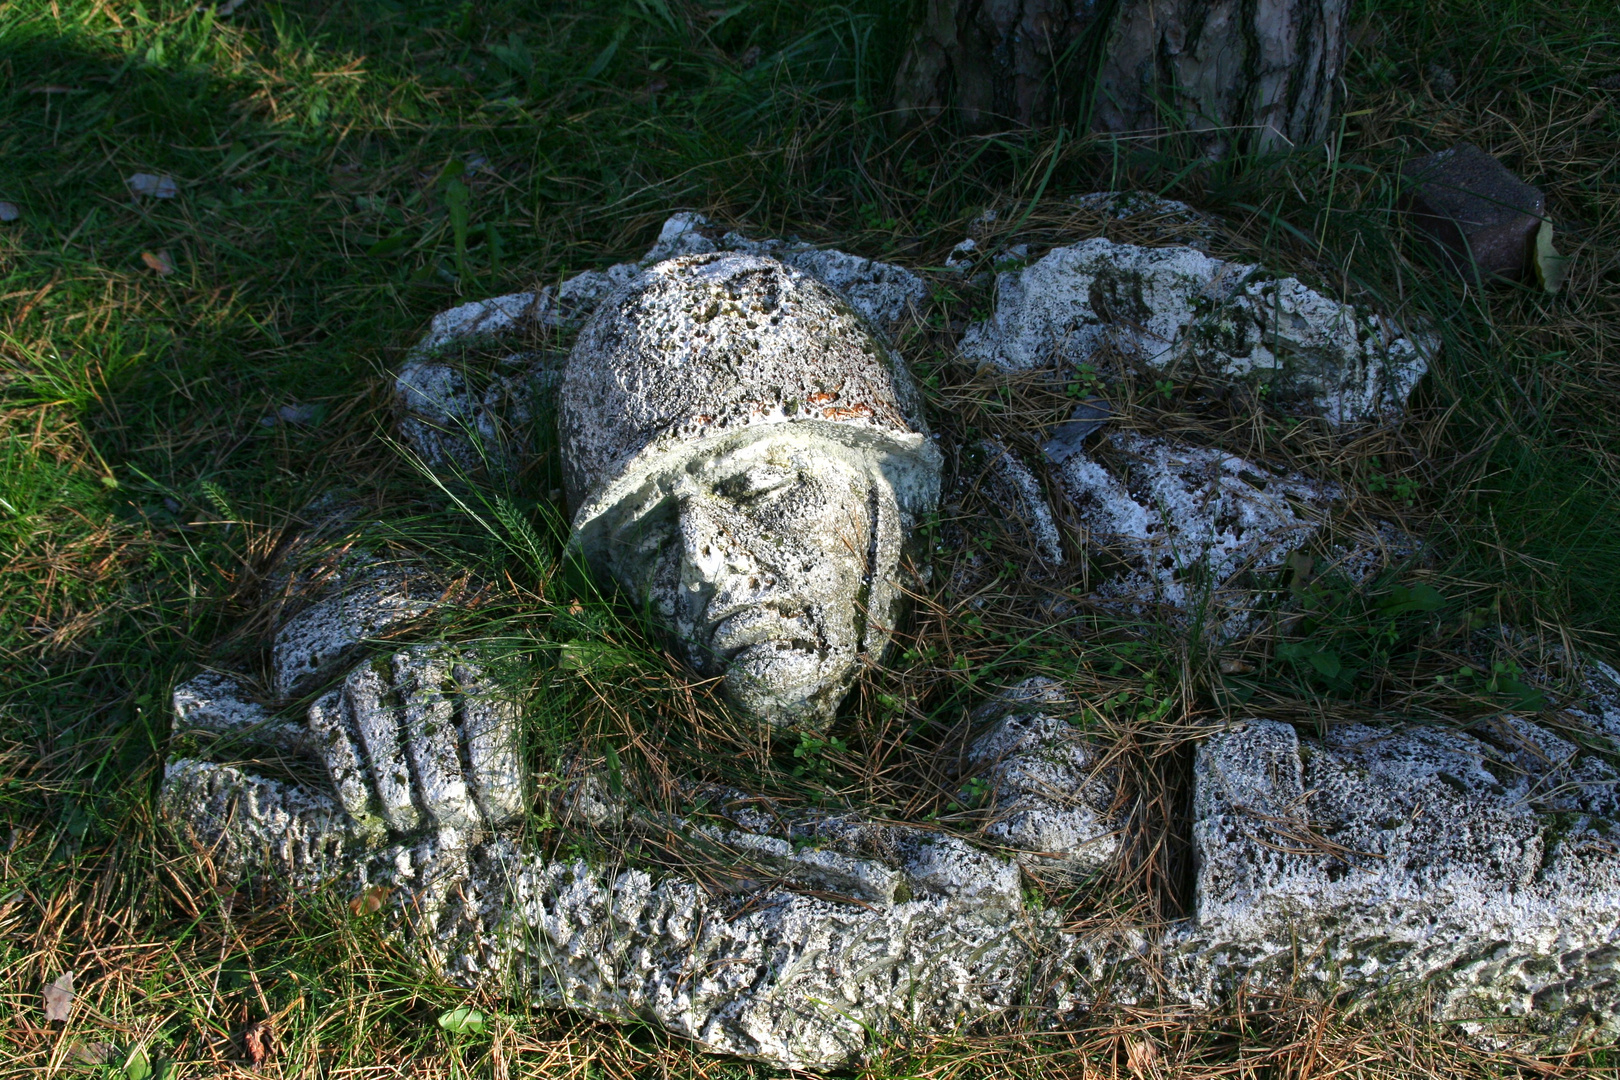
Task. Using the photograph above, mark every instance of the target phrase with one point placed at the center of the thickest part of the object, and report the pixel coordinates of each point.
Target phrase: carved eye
(755, 485)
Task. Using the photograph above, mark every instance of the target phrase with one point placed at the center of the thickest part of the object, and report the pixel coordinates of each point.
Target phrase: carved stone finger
(424, 683)
(338, 742)
(369, 699)
(489, 726)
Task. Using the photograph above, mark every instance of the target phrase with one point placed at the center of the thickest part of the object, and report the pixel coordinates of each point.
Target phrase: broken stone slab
(220, 704)
(367, 601)
(1171, 308)
(1014, 488)
(1182, 525)
(1050, 793)
(1381, 858)
(1474, 211)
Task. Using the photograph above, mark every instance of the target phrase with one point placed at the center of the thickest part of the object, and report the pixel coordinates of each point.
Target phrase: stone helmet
(730, 346)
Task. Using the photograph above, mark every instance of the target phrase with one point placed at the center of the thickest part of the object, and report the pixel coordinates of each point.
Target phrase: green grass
(346, 170)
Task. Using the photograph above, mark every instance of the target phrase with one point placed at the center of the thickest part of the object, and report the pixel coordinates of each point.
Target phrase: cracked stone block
(1049, 792)
(220, 705)
(1176, 308)
(1181, 523)
(1396, 856)
(313, 645)
(1474, 211)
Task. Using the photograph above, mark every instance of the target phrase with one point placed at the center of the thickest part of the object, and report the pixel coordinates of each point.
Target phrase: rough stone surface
(906, 927)
(1474, 210)
(1175, 308)
(221, 705)
(1382, 857)
(1601, 707)
(884, 294)
(312, 646)
(1014, 488)
(747, 459)
(451, 416)
(1048, 792)
(415, 740)
(1181, 523)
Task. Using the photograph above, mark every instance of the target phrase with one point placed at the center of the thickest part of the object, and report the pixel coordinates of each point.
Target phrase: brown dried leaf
(1141, 1056)
(256, 1040)
(59, 998)
(371, 901)
(159, 262)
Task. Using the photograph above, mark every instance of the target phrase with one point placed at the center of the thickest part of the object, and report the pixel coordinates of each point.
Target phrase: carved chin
(787, 684)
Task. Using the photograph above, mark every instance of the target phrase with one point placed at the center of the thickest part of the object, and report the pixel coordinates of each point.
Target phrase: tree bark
(1238, 74)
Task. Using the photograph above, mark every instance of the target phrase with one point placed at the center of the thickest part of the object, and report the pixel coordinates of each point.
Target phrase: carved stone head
(746, 459)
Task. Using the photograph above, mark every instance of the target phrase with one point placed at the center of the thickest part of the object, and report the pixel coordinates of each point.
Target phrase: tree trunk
(1239, 74)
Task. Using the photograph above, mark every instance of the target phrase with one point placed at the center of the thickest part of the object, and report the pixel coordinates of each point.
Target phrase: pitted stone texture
(421, 732)
(447, 422)
(220, 705)
(1015, 490)
(313, 645)
(1051, 795)
(793, 979)
(1077, 301)
(1184, 521)
(708, 345)
(931, 931)
(1600, 707)
(247, 822)
(1391, 857)
(886, 295)
(1173, 306)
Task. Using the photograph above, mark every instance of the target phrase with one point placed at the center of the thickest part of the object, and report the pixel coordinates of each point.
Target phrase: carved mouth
(759, 634)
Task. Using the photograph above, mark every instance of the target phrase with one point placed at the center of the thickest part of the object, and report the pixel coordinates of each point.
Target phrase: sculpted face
(744, 458)
(760, 560)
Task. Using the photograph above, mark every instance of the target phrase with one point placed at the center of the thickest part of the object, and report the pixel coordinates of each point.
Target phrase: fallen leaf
(256, 1040)
(9, 211)
(463, 1021)
(95, 1053)
(1236, 667)
(371, 901)
(159, 262)
(137, 1066)
(1551, 267)
(1140, 1057)
(152, 185)
(59, 998)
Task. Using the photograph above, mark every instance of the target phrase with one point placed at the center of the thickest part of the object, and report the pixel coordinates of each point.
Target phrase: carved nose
(703, 540)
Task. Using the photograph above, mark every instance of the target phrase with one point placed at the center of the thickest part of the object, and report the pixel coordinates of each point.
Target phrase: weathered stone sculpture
(746, 459)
